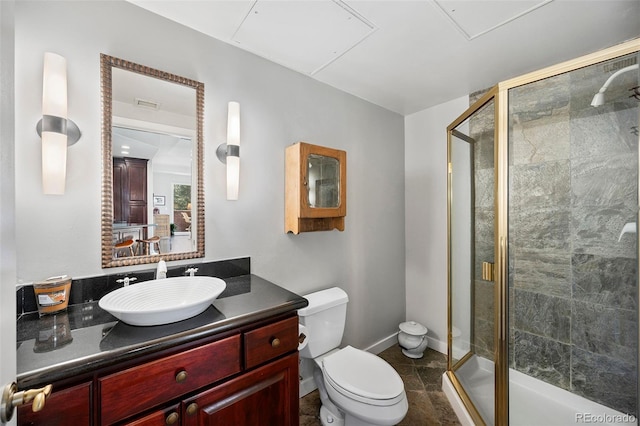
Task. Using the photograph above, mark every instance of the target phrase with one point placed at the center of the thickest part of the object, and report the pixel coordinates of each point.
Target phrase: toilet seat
(363, 377)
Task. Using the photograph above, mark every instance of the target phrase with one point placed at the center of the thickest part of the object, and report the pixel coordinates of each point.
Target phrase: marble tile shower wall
(573, 185)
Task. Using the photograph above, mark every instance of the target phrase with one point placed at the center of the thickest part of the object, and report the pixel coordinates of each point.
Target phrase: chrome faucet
(161, 271)
(126, 280)
(191, 271)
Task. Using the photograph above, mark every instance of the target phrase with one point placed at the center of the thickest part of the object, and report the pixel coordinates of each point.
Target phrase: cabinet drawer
(139, 388)
(63, 407)
(270, 341)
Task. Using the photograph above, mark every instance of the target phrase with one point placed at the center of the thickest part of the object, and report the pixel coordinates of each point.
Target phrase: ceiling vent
(475, 18)
(144, 103)
(303, 35)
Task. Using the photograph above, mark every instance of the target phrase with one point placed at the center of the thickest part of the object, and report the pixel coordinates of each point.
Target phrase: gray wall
(426, 217)
(60, 234)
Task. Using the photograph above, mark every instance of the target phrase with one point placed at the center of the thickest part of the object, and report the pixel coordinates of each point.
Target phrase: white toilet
(356, 387)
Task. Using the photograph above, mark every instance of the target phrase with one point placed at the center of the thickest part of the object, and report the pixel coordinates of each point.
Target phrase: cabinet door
(265, 396)
(69, 406)
(324, 182)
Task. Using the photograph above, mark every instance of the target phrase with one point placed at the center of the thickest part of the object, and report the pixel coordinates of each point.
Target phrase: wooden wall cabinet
(315, 188)
(248, 377)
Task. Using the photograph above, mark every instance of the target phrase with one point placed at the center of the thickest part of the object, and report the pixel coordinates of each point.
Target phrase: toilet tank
(324, 319)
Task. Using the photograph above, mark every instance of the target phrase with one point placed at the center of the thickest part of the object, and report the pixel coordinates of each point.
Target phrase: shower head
(598, 99)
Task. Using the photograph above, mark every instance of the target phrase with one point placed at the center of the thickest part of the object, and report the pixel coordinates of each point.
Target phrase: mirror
(152, 192)
(324, 181)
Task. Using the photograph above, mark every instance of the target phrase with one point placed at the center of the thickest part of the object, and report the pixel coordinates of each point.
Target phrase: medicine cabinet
(315, 188)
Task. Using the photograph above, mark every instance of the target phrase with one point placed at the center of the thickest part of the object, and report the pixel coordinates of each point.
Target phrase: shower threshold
(532, 402)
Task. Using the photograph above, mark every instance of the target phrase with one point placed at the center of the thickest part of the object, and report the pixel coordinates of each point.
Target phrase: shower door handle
(488, 271)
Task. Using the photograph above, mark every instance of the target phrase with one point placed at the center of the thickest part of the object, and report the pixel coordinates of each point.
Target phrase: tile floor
(422, 381)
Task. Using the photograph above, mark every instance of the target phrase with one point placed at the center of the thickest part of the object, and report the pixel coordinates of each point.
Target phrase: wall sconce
(229, 153)
(56, 131)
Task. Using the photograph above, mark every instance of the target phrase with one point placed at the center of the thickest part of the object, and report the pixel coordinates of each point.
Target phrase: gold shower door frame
(499, 93)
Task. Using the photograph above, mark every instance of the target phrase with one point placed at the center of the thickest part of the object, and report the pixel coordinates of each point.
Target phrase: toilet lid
(364, 374)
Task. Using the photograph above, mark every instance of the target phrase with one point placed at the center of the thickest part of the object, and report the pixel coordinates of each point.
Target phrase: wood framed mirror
(152, 165)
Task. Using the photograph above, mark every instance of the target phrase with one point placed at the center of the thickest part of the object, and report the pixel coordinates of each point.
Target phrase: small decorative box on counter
(52, 295)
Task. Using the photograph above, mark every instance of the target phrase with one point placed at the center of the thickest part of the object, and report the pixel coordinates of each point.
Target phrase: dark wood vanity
(235, 364)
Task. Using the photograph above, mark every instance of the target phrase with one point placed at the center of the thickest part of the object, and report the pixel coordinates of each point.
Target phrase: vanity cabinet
(248, 376)
(315, 188)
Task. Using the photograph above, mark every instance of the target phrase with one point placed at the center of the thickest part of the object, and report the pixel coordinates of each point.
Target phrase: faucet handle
(126, 280)
(191, 271)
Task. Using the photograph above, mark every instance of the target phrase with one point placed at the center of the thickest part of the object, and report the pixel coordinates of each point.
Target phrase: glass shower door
(544, 183)
(472, 257)
(573, 275)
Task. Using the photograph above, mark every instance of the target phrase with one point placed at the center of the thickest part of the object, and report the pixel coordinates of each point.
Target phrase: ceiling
(410, 55)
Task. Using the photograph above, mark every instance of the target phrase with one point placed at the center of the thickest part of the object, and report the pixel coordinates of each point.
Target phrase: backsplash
(91, 289)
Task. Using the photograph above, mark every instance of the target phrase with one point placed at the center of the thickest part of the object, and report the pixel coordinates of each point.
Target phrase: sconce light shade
(54, 120)
(56, 131)
(229, 153)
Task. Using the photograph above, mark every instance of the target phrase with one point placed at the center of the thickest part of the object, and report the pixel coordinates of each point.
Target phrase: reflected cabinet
(315, 188)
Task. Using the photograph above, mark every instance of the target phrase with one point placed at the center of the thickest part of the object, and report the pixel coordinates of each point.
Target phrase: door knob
(11, 399)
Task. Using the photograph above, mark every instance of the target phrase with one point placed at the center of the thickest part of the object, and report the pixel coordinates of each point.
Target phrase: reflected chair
(123, 246)
(187, 220)
(145, 245)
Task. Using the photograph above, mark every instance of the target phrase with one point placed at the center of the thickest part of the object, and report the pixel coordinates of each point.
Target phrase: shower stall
(543, 247)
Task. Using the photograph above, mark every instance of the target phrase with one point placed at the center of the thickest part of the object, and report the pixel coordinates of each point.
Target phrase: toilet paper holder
(302, 337)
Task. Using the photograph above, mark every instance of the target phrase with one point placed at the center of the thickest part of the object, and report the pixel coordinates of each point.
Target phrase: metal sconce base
(73, 132)
(223, 151)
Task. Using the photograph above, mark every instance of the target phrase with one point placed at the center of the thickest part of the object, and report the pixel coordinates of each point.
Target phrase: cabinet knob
(181, 376)
(192, 409)
(275, 342)
(172, 418)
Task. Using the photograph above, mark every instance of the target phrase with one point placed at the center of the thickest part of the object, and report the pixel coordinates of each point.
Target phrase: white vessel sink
(162, 301)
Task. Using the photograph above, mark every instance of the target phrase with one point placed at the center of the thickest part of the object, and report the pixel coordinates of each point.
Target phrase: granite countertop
(85, 337)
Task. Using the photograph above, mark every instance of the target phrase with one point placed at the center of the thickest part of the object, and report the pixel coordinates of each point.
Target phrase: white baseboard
(437, 345)
(307, 386)
(383, 344)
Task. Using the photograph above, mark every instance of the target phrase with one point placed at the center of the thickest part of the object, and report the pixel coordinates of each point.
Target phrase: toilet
(356, 388)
